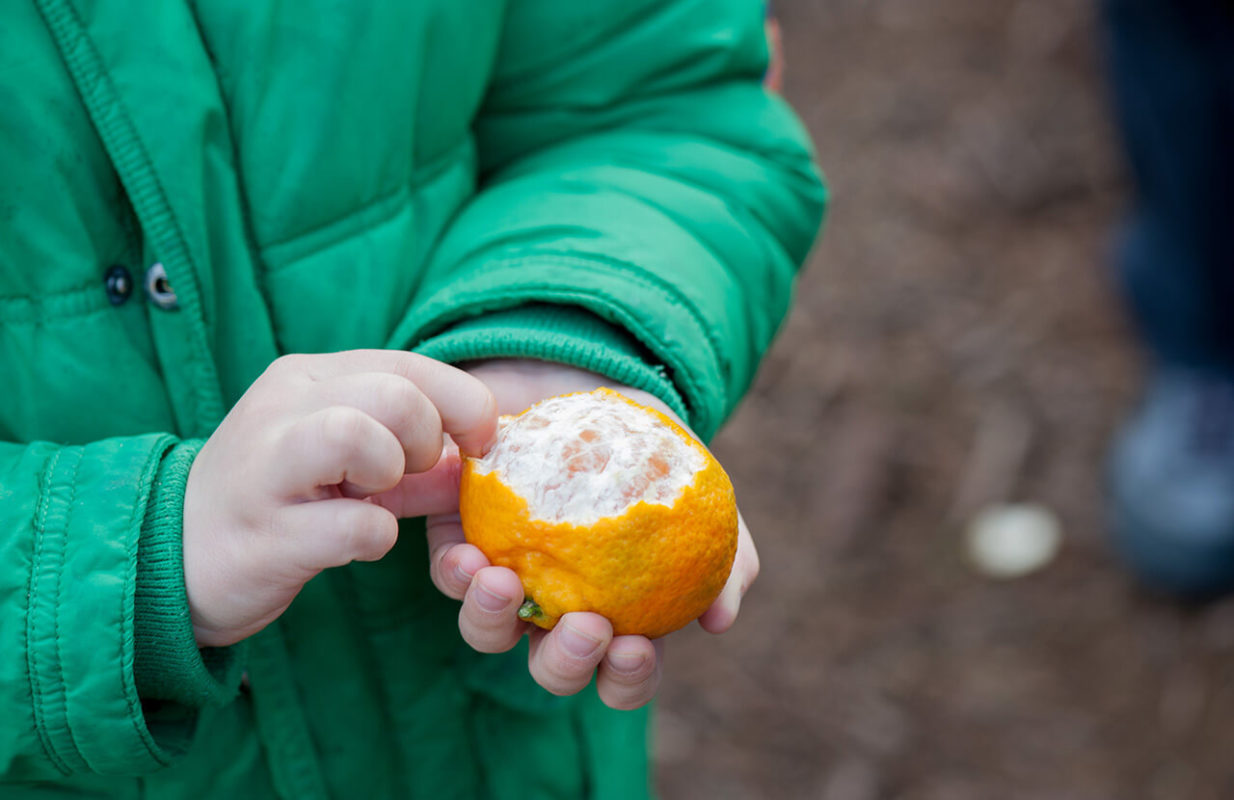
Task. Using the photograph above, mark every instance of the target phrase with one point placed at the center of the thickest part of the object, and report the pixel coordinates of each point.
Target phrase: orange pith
(650, 568)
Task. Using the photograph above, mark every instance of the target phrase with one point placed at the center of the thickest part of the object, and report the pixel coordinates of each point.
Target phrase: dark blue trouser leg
(1172, 70)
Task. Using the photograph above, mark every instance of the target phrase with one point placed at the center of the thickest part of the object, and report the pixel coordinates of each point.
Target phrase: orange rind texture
(650, 569)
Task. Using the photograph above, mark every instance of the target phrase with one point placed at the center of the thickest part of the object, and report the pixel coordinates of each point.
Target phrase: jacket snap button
(118, 283)
(158, 288)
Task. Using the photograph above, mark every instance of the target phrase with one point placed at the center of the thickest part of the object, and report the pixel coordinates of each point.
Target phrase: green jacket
(187, 190)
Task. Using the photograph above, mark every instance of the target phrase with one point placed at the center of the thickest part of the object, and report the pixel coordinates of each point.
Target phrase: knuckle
(412, 364)
(413, 412)
(411, 417)
(394, 397)
(408, 365)
(342, 429)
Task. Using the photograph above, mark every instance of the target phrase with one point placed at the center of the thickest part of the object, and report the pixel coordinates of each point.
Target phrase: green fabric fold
(566, 334)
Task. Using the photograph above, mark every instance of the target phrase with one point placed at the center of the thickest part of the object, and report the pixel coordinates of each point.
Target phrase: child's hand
(291, 482)
(563, 660)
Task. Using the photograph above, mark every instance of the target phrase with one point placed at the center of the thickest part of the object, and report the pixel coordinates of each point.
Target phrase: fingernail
(626, 663)
(575, 642)
(490, 601)
(462, 574)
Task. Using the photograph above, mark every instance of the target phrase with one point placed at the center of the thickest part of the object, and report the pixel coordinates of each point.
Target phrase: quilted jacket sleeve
(636, 172)
(98, 665)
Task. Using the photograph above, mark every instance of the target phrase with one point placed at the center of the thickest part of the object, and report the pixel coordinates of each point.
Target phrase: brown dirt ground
(955, 342)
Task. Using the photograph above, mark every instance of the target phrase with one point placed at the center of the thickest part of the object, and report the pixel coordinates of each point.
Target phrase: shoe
(1172, 485)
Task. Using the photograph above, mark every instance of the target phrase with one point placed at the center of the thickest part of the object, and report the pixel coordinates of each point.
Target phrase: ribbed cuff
(168, 665)
(565, 334)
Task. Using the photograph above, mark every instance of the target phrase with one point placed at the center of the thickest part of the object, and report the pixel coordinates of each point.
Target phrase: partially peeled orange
(601, 504)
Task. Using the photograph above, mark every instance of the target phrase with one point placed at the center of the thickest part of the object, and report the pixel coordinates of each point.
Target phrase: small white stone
(1010, 541)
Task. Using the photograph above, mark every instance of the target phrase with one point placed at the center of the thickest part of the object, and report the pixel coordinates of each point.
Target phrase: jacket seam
(64, 304)
(405, 190)
(734, 72)
(399, 198)
(645, 114)
(435, 166)
(49, 320)
(762, 240)
(748, 218)
(740, 216)
(55, 626)
(164, 218)
(36, 690)
(145, 190)
(775, 162)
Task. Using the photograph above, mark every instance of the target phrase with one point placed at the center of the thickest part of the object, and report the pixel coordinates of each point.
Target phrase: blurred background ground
(955, 342)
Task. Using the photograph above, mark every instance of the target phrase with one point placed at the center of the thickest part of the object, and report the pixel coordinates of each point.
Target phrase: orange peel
(601, 504)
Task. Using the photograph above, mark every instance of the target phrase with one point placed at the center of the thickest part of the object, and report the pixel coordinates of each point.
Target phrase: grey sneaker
(1172, 485)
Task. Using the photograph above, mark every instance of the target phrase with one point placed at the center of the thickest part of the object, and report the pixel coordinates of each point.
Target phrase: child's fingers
(564, 659)
(723, 612)
(488, 620)
(426, 494)
(330, 533)
(629, 675)
(396, 403)
(452, 562)
(339, 445)
(468, 410)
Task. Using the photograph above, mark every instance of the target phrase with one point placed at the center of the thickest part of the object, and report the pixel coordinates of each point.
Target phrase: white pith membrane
(583, 457)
